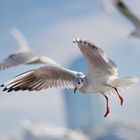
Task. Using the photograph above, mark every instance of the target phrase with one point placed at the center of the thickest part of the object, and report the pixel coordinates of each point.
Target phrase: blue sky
(49, 27)
(40, 13)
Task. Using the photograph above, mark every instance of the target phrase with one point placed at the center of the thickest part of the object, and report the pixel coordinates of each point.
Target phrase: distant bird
(101, 77)
(123, 9)
(24, 54)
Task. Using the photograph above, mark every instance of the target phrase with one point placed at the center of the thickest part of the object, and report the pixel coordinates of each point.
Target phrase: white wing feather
(98, 63)
(42, 78)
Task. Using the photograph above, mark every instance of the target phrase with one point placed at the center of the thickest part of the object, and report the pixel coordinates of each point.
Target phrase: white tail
(124, 82)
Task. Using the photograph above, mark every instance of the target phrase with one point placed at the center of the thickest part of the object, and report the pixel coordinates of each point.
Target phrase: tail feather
(124, 82)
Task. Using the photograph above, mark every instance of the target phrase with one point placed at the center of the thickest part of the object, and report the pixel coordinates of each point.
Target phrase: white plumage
(101, 77)
(24, 55)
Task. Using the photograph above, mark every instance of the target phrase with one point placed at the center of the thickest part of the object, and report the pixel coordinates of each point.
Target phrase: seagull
(24, 54)
(123, 9)
(100, 78)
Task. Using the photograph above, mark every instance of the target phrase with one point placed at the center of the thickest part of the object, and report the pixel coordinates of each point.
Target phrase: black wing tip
(15, 88)
(5, 89)
(2, 85)
(12, 89)
(79, 40)
(121, 4)
(86, 42)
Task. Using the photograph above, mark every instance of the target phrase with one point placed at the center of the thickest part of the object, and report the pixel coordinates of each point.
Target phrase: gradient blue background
(50, 26)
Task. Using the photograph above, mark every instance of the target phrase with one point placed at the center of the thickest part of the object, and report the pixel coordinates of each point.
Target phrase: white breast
(96, 85)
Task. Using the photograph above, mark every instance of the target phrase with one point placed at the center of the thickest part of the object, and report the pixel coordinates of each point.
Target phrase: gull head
(78, 83)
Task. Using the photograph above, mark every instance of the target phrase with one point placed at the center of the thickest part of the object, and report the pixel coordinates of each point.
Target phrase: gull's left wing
(98, 63)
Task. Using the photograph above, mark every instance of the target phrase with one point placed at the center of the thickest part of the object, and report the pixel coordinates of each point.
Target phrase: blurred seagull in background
(123, 9)
(101, 77)
(24, 54)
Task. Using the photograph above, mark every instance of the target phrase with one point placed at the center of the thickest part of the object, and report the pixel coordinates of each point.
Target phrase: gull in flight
(100, 78)
(24, 54)
(123, 9)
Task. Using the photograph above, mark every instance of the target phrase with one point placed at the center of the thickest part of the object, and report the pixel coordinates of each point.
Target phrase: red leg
(107, 107)
(121, 98)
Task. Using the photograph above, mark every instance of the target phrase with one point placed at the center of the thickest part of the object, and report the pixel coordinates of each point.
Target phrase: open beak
(75, 89)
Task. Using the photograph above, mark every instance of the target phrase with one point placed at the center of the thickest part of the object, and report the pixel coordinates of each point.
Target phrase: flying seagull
(24, 54)
(101, 77)
(123, 9)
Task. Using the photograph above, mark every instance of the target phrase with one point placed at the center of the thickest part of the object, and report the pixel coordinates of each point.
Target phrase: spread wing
(42, 78)
(26, 58)
(98, 63)
(17, 59)
(127, 12)
(23, 48)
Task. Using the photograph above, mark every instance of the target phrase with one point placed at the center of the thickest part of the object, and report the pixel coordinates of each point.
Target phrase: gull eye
(79, 83)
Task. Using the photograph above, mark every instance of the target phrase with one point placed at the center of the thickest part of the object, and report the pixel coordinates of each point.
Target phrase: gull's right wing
(42, 78)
